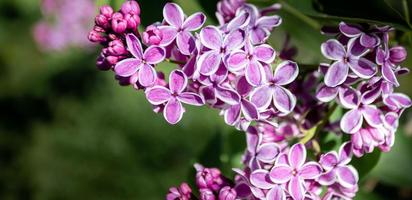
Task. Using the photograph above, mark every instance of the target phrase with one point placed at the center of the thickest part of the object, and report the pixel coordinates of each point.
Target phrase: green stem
(175, 61)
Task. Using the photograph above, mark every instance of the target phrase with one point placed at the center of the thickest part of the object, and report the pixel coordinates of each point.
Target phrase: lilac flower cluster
(362, 77)
(231, 68)
(64, 24)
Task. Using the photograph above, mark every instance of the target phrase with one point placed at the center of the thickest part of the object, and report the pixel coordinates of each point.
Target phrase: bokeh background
(69, 131)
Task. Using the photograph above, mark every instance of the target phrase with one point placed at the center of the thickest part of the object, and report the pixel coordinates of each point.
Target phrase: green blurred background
(68, 131)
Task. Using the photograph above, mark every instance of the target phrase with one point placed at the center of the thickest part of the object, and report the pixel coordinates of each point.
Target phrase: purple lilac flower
(173, 97)
(367, 38)
(226, 9)
(183, 192)
(220, 46)
(142, 63)
(295, 171)
(345, 60)
(337, 169)
(178, 28)
(274, 91)
(388, 59)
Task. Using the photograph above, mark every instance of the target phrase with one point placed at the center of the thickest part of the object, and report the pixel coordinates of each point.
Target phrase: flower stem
(175, 61)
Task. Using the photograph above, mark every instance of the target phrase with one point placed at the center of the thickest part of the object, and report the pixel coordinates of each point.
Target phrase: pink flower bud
(102, 21)
(102, 64)
(152, 35)
(133, 21)
(106, 11)
(112, 60)
(116, 48)
(227, 193)
(95, 36)
(206, 194)
(397, 54)
(119, 24)
(130, 7)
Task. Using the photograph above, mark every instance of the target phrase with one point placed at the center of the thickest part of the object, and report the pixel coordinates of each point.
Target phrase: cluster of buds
(230, 67)
(211, 185)
(110, 30)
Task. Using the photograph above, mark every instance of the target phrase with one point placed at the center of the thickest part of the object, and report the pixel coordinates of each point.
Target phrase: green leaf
(100, 3)
(365, 164)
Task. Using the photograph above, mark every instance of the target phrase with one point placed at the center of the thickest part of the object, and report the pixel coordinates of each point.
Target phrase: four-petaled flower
(360, 109)
(345, 60)
(141, 62)
(283, 99)
(180, 28)
(173, 97)
(337, 169)
(220, 47)
(252, 58)
(295, 171)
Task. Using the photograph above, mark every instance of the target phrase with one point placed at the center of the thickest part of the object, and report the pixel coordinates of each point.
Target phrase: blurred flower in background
(65, 23)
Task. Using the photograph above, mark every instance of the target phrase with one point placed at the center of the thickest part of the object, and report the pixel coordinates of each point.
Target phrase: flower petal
(269, 22)
(329, 160)
(333, 50)
(349, 98)
(296, 188)
(297, 156)
(259, 35)
(327, 178)
(158, 95)
(185, 42)
(237, 61)
(194, 21)
(276, 193)
(239, 21)
(351, 121)
(173, 15)
(173, 111)
(388, 74)
(336, 74)
(261, 97)
(281, 174)
(348, 30)
(191, 99)
(267, 152)
(363, 67)
(208, 94)
(255, 73)
(325, 93)
(169, 34)
(209, 63)
(310, 170)
(369, 41)
(347, 176)
(154, 55)
(372, 115)
(228, 96)
(283, 99)
(211, 37)
(265, 53)
(286, 72)
(177, 81)
(345, 153)
(147, 75)
(134, 45)
(232, 114)
(249, 110)
(234, 40)
(127, 67)
(260, 178)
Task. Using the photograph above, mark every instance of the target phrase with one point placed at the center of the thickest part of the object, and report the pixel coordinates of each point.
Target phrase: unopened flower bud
(152, 35)
(206, 194)
(397, 54)
(133, 21)
(116, 48)
(106, 11)
(95, 36)
(112, 60)
(102, 64)
(119, 24)
(227, 193)
(102, 21)
(130, 7)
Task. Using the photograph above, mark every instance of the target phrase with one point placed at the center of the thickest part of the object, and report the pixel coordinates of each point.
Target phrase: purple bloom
(345, 60)
(173, 97)
(387, 60)
(261, 179)
(252, 58)
(180, 28)
(337, 169)
(227, 193)
(360, 109)
(295, 171)
(367, 39)
(220, 46)
(226, 9)
(184, 192)
(282, 98)
(142, 62)
(209, 178)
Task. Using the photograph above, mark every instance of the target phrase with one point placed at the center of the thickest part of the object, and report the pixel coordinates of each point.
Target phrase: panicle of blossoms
(64, 24)
(361, 77)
